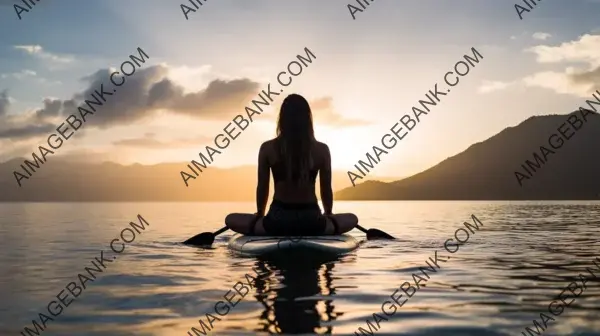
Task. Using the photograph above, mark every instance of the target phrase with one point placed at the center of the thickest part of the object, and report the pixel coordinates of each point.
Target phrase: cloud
(568, 82)
(541, 36)
(38, 51)
(4, 103)
(143, 94)
(150, 142)
(52, 108)
(580, 82)
(86, 155)
(45, 81)
(490, 86)
(30, 74)
(130, 101)
(20, 75)
(323, 112)
(590, 78)
(192, 78)
(217, 97)
(150, 90)
(26, 132)
(148, 93)
(586, 49)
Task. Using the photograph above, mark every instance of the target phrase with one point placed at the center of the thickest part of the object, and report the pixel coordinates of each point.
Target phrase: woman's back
(294, 158)
(295, 185)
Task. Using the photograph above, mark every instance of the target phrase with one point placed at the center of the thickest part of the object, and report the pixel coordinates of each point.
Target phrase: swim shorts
(294, 219)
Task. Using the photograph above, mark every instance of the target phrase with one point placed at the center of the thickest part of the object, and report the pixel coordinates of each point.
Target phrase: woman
(295, 157)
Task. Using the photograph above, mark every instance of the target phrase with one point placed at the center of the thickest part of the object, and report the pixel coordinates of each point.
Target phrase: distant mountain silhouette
(60, 180)
(486, 170)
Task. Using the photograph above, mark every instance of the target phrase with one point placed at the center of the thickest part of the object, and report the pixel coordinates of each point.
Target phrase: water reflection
(497, 284)
(297, 291)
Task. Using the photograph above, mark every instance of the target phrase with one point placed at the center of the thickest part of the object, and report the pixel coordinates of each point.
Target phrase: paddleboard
(333, 244)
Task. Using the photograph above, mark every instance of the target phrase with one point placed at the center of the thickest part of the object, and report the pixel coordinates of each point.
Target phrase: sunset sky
(368, 72)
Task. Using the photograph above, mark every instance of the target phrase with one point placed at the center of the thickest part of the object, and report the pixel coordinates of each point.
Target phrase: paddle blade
(204, 238)
(377, 234)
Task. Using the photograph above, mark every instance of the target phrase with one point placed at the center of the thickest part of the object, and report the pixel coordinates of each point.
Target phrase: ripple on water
(496, 284)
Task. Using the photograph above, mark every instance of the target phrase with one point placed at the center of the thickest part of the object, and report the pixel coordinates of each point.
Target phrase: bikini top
(280, 173)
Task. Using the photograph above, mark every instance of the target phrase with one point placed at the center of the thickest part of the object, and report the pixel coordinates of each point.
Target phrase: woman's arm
(325, 183)
(262, 187)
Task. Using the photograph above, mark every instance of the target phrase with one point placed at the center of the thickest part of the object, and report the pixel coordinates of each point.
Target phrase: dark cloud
(4, 103)
(52, 108)
(591, 77)
(36, 126)
(163, 92)
(26, 132)
(12, 131)
(130, 101)
(149, 90)
(220, 96)
(145, 92)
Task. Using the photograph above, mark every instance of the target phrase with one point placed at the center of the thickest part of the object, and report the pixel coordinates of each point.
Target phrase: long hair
(295, 136)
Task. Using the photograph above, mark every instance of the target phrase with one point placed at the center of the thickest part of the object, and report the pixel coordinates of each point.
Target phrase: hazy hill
(486, 170)
(65, 181)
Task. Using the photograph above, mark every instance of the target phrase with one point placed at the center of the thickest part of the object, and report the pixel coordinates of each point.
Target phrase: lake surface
(497, 283)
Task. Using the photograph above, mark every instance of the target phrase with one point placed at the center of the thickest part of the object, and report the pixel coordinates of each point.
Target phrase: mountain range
(488, 170)
(484, 171)
(60, 180)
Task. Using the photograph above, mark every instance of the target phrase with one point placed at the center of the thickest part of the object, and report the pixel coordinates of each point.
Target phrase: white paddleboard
(338, 244)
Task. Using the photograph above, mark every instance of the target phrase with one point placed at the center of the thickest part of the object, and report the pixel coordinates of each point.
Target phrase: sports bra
(280, 173)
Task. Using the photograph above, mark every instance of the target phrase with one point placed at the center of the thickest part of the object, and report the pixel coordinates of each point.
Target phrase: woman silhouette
(295, 157)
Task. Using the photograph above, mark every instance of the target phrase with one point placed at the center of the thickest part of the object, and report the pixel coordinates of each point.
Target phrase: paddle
(205, 238)
(374, 233)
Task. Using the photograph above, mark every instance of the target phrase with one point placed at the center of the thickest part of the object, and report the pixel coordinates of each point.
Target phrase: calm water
(496, 284)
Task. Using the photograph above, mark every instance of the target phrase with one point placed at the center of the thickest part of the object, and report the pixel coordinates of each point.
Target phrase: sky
(368, 71)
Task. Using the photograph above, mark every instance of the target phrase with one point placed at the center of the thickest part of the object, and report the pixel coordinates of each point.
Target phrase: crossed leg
(345, 223)
(242, 223)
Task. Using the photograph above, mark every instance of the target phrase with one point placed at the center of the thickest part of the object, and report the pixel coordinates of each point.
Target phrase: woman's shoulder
(321, 146)
(268, 145)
